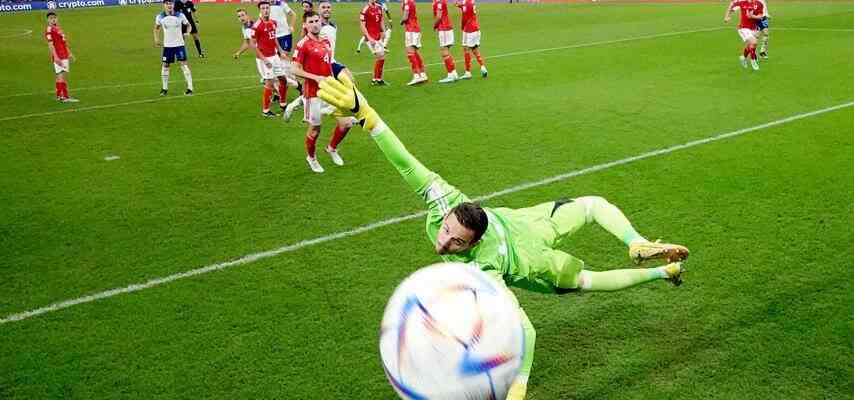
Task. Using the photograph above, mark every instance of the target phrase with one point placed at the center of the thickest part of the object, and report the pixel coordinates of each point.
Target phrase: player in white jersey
(173, 44)
(285, 21)
(762, 24)
(328, 31)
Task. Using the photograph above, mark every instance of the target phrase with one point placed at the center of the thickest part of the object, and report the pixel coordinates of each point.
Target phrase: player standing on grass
(516, 246)
(471, 37)
(187, 8)
(285, 20)
(268, 55)
(61, 56)
(751, 12)
(371, 22)
(313, 61)
(173, 45)
(246, 31)
(442, 25)
(762, 25)
(328, 31)
(412, 41)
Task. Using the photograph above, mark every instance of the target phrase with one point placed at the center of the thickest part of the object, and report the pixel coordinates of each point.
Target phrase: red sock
(420, 62)
(283, 93)
(63, 86)
(337, 136)
(413, 62)
(58, 90)
(310, 143)
(449, 63)
(378, 69)
(265, 99)
(753, 53)
(479, 58)
(467, 59)
(746, 51)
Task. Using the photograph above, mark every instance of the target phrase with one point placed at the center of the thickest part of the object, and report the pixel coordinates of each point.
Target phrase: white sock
(361, 42)
(387, 37)
(187, 76)
(164, 77)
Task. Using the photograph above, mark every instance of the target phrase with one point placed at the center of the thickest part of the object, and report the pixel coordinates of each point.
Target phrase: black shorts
(337, 68)
(193, 28)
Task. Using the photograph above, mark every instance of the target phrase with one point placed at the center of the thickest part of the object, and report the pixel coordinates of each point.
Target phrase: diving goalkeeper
(515, 245)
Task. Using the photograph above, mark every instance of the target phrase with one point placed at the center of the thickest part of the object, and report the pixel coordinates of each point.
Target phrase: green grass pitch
(765, 312)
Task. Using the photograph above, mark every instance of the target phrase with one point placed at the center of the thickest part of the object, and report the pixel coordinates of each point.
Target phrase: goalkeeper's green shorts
(537, 231)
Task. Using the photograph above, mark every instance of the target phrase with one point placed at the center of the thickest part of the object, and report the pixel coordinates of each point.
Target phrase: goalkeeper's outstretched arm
(343, 95)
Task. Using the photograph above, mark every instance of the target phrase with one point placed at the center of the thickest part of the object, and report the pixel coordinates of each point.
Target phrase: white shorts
(471, 39)
(412, 39)
(376, 47)
(446, 38)
(314, 110)
(746, 34)
(276, 69)
(64, 68)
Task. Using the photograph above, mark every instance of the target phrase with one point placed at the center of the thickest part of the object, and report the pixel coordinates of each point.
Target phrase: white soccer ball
(451, 332)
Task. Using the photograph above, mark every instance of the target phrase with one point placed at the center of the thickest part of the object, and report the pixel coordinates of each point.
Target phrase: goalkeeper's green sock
(620, 278)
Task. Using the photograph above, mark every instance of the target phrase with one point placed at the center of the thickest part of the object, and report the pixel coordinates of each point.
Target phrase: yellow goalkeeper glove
(342, 94)
(518, 390)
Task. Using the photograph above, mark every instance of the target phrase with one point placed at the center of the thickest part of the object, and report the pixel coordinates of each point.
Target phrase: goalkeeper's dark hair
(262, 2)
(49, 14)
(472, 216)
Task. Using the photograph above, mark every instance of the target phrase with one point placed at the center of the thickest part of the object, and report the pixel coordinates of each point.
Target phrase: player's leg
(751, 43)
(188, 76)
(466, 61)
(164, 78)
(379, 62)
(361, 42)
(763, 49)
(386, 37)
(312, 118)
(196, 41)
(342, 127)
(413, 65)
(476, 50)
(568, 217)
(447, 58)
(567, 273)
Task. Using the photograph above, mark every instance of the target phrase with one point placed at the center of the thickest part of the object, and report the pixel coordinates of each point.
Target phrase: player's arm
(343, 95)
(54, 57)
(244, 45)
(405, 15)
(296, 69)
(729, 10)
(156, 32)
(437, 18)
(185, 22)
(292, 19)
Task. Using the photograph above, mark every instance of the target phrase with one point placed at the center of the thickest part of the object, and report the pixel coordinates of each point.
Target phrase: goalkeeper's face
(453, 237)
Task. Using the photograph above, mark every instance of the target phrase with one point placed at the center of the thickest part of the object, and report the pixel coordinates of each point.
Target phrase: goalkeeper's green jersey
(518, 243)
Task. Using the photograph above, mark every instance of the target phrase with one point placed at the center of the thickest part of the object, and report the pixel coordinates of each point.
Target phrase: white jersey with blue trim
(279, 11)
(171, 24)
(329, 32)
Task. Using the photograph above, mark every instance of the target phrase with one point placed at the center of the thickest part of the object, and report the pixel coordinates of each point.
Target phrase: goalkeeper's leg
(566, 273)
(569, 217)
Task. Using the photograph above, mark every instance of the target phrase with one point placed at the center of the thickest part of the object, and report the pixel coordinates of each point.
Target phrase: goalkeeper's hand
(343, 95)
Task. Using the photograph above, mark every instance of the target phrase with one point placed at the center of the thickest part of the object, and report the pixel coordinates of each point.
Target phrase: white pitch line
(372, 226)
(127, 103)
(23, 32)
(533, 51)
(812, 29)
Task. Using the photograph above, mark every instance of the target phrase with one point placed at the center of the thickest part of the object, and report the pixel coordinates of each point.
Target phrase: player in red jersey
(751, 12)
(269, 56)
(412, 41)
(313, 61)
(61, 56)
(372, 22)
(442, 24)
(471, 37)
